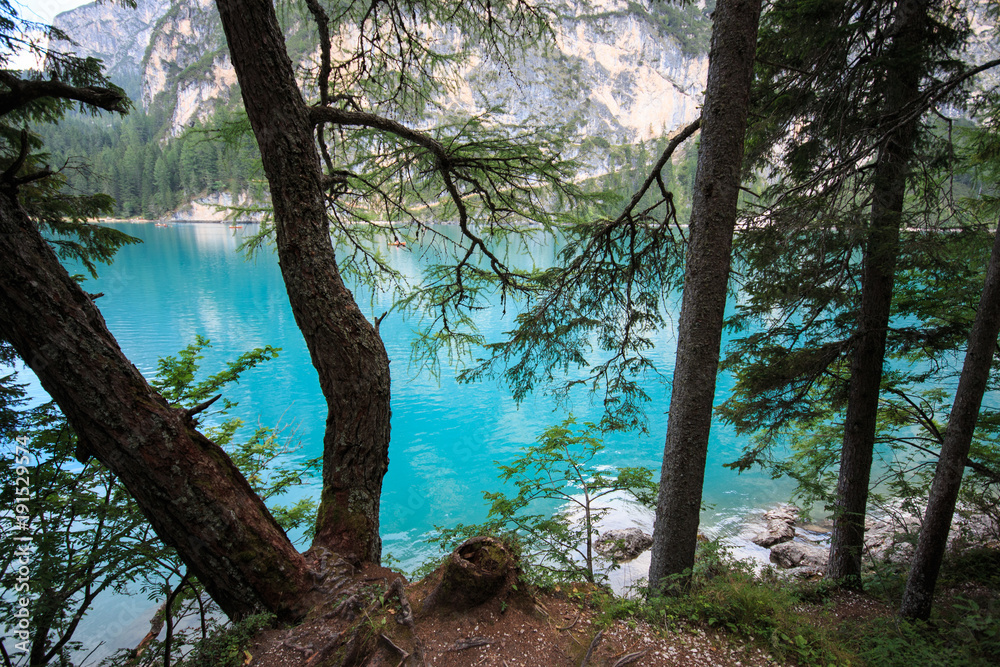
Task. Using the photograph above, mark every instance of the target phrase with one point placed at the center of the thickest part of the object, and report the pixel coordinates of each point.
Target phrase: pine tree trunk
(713, 219)
(919, 593)
(345, 348)
(192, 494)
(902, 86)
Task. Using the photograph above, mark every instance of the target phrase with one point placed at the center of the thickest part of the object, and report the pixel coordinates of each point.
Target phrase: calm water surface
(189, 279)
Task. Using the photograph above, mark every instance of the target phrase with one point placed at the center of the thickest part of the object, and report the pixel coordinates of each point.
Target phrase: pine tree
(841, 129)
(706, 278)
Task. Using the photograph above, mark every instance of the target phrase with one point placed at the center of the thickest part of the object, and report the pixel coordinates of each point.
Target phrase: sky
(44, 10)
(41, 11)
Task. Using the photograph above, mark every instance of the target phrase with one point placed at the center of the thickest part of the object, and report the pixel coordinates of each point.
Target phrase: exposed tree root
(575, 621)
(630, 658)
(359, 607)
(593, 645)
(470, 642)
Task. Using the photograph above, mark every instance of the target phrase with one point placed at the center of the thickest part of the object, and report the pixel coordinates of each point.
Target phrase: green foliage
(591, 318)
(88, 534)
(42, 179)
(965, 634)
(175, 376)
(803, 244)
(795, 622)
(263, 457)
(726, 594)
(561, 472)
(228, 647)
(964, 628)
(148, 173)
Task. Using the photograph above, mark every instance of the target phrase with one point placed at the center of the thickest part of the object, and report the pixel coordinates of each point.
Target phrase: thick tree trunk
(713, 219)
(192, 494)
(882, 249)
(919, 593)
(345, 348)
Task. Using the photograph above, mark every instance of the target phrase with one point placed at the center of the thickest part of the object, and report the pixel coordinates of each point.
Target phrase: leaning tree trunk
(345, 348)
(192, 494)
(919, 593)
(713, 219)
(902, 86)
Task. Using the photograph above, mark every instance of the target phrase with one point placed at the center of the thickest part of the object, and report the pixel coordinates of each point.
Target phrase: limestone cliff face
(187, 64)
(611, 73)
(116, 35)
(170, 54)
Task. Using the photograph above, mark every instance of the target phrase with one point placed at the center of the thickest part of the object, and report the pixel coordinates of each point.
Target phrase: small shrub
(556, 547)
(728, 594)
(229, 646)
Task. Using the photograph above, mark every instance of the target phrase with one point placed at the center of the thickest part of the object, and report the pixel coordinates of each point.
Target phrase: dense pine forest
(148, 175)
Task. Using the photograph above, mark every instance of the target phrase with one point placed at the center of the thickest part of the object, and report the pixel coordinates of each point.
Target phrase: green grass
(725, 594)
(795, 621)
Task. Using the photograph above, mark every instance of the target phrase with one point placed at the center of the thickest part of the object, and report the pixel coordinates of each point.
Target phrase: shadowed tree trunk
(902, 86)
(919, 593)
(713, 219)
(345, 348)
(192, 494)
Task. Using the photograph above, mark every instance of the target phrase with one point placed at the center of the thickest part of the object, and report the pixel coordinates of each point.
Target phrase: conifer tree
(192, 494)
(845, 100)
(706, 277)
(195, 498)
(926, 563)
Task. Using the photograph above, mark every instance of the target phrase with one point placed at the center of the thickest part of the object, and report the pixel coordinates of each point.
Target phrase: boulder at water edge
(623, 543)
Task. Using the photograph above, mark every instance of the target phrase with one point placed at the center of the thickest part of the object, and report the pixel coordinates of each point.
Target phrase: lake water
(189, 279)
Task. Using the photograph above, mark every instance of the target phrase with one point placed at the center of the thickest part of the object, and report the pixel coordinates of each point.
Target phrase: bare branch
(654, 174)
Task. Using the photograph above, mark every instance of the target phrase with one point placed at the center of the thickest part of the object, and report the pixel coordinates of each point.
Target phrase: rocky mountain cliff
(621, 70)
(116, 35)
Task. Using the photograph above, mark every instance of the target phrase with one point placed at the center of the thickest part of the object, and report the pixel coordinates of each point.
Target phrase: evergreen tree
(186, 486)
(955, 447)
(706, 277)
(843, 135)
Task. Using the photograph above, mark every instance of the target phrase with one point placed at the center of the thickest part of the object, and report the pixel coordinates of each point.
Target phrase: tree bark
(902, 86)
(919, 592)
(345, 348)
(713, 219)
(192, 494)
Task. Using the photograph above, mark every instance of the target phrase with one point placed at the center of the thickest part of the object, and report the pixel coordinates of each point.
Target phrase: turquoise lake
(188, 279)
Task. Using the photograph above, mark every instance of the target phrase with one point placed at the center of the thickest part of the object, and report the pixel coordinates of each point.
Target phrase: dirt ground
(514, 629)
(547, 631)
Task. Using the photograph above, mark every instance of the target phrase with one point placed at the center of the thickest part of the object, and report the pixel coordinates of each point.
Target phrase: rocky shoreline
(780, 537)
(801, 548)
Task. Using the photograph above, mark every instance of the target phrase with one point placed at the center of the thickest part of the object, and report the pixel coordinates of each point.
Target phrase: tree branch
(201, 407)
(654, 174)
(22, 155)
(24, 92)
(983, 470)
(320, 115)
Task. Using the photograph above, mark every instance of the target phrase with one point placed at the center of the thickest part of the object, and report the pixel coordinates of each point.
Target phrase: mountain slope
(615, 67)
(617, 72)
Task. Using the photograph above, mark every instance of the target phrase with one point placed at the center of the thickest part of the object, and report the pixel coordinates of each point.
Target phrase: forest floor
(569, 626)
